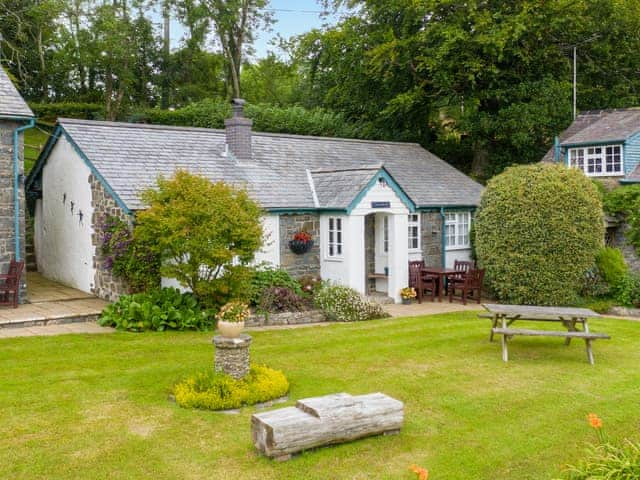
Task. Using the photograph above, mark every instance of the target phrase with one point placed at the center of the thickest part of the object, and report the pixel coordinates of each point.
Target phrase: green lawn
(34, 141)
(95, 406)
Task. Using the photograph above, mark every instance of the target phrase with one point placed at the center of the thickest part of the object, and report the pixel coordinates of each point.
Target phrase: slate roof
(11, 102)
(337, 188)
(600, 126)
(131, 156)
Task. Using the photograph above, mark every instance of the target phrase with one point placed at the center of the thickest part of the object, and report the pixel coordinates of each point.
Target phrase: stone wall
(285, 318)
(106, 285)
(619, 240)
(307, 263)
(431, 237)
(7, 208)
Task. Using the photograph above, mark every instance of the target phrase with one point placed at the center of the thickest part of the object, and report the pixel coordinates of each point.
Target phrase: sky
(293, 17)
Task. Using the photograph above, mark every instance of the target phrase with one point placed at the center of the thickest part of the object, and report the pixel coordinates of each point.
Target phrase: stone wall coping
(242, 341)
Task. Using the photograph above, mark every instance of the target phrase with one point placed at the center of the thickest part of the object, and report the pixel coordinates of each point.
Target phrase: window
(335, 237)
(385, 234)
(414, 231)
(597, 161)
(456, 230)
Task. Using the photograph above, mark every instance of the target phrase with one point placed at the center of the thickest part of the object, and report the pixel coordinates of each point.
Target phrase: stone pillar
(232, 355)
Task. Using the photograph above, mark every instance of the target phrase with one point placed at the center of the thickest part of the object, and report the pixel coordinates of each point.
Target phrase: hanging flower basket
(301, 243)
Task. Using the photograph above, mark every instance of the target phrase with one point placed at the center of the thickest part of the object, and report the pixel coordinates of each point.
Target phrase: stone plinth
(232, 355)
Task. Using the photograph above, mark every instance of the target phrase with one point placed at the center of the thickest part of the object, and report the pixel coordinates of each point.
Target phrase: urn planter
(230, 329)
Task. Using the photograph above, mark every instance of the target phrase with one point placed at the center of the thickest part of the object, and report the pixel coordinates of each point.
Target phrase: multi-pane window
(335, 237)
(414, 231)
(385, 234)
(456, 229)
(597, 161)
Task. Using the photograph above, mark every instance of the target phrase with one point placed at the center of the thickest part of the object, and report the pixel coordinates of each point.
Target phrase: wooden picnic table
(504, 315)
(442, 274)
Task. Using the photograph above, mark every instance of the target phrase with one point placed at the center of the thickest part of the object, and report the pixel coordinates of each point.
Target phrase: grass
(95, 406)
(34, 141)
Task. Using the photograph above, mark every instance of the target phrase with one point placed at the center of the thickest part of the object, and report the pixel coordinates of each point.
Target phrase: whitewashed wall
(270, 251)
(334, 269)
(451, 256)
(62, 238)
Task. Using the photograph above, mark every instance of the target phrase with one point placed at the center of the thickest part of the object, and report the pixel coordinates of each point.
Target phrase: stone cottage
(15, 118)
(369, 206)
(605, 145)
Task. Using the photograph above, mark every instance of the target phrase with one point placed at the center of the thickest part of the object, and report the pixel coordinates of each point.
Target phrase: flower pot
(299, 246)
(406, 301)
(230, 329)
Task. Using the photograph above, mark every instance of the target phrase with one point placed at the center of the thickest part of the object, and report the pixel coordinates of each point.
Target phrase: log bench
(319, 421)
(508, 333)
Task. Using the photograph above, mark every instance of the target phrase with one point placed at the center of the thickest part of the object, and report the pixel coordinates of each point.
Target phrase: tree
(235, 23)
(269, 80)
(204, 233)
(537, 232)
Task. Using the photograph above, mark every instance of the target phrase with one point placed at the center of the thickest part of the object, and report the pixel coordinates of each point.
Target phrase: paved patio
(52, 309)
(429, 308)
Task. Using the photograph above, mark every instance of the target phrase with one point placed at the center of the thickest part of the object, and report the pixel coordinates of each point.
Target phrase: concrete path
(429, 308)
(62, 329)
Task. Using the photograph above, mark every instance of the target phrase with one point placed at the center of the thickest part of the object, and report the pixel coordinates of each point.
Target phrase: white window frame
(457, 221)
(335, 237)
(385, 234)
(413, 221)
(598, 156)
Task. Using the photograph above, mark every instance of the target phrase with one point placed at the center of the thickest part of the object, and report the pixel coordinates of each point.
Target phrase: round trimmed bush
(537, 233)
(219, 391)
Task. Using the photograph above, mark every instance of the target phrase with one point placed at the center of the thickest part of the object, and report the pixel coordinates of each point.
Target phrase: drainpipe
(556, 149)
(16, 183)
(443, 238)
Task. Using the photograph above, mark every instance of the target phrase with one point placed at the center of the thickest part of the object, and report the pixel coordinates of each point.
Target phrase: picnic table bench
(505, 315)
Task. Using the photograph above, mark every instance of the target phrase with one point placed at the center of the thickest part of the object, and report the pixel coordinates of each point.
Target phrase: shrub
(281, 299)
(310, 284)
(204, 234)
(611, 265)
(537, 232)
(621, 200)
(50, 112)
(265, 278)
(344, 304)
(165, 309)
(218, 391)
(594, 284)
(627, 292)
(129, 258)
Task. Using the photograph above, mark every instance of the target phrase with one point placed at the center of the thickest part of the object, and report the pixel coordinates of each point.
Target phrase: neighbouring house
(15, 118)
(370, 206)
(605, 145)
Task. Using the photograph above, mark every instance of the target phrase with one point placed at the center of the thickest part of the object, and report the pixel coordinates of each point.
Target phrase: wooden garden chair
(469, 286)
(10, 288)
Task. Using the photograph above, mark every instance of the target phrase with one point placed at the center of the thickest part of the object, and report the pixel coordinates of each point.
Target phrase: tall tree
(236, 22)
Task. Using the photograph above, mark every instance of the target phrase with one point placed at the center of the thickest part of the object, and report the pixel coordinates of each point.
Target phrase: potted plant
(408, 294)
(301, 242)
(231, 317)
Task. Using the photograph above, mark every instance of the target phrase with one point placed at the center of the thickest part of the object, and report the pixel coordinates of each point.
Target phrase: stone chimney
(238, 130)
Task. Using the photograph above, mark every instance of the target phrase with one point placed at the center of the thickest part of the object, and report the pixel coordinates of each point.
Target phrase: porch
(50, 303)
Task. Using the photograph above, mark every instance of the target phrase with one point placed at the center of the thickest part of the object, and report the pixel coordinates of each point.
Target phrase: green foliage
(160, 310)
(204, 233)
(611, 265)
(600, 305)
(267, 118)
(267, 277)
(538, 230)
(50, 112)
(627, 291)
(217, 391)
(282, 299)
(344, 304)
(129, 257)
(621, 200)
(608, 461)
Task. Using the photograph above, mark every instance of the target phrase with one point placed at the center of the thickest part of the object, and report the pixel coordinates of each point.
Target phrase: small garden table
(441, 273)
(505, 315)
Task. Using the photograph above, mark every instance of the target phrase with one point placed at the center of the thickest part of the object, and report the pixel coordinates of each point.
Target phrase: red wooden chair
(422, 283)
(10, 288)
(414, 272)
(469, 285)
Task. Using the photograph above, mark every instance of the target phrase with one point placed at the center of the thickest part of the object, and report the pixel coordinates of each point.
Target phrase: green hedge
(537, 233)
(50, 112)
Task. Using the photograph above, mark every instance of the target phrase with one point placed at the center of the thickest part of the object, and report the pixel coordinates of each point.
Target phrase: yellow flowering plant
(233, 312)
(408, 293)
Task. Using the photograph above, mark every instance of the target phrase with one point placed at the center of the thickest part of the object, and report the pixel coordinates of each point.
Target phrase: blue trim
(382, 173)
(19, 118)
(16, 185)
(97, 174)
(295, 211)
(556, 149)
(44, 156)
(593, 144)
